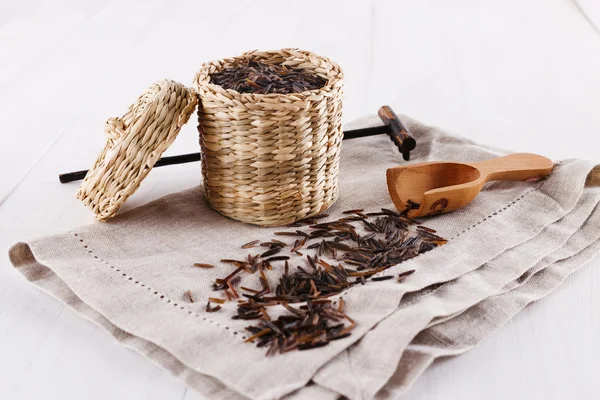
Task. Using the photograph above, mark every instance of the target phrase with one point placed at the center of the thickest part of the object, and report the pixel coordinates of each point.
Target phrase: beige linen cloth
(513, 245)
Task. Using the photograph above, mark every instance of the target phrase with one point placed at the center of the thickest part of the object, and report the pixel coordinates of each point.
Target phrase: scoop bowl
(440, 187)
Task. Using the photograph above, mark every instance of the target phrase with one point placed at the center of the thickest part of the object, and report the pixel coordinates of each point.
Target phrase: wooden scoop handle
(514, 167)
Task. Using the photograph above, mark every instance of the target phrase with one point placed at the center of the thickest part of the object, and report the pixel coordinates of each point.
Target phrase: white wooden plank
(548, 351)
(10, 10)
(590, 11)
(38, 103)
(48, 345)
(500, 72)
(29, 37)
(515, 74)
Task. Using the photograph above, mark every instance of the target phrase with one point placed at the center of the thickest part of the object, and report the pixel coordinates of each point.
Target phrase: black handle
(397, 131)
(392, 127)
(172, 160)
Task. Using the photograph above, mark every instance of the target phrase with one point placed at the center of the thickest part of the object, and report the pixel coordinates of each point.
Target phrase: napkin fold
(513, 245)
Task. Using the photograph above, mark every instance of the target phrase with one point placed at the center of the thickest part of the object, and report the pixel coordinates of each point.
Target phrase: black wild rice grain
(250, 244)
(403, 275)
(277, 258)
(202, 265)
(270, 252)
(382, 278)
(260, 78)
(356, 210)
(211, 309)
(342, 258)
(188, 295)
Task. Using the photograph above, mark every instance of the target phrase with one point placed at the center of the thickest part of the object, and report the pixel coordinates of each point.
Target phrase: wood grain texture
(441, 187)
(398, 132)
(519, 74)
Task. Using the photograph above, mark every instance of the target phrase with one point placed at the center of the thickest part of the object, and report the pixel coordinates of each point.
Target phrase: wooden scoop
(438, 187)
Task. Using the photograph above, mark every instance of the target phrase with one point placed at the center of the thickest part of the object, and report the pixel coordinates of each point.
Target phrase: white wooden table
(521, 74)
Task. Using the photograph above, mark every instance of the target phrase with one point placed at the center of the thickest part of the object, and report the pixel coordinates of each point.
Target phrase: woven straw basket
(134, 143)
(271, 159)
(267, 159)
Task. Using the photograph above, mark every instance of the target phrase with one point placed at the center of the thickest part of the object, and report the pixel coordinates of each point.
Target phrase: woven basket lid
(134, 143)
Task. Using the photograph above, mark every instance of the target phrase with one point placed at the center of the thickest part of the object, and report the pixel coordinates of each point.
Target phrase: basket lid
(134, 143)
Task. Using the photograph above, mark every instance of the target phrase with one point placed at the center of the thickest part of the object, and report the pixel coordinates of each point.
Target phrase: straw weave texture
(271, 159)
(134, 144)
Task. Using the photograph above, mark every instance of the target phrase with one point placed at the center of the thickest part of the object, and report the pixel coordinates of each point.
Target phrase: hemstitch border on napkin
(161, 296)
(340, 296)
(492, 215)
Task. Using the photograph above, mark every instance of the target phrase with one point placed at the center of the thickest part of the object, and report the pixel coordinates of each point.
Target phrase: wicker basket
(271, 159)
(134, 143)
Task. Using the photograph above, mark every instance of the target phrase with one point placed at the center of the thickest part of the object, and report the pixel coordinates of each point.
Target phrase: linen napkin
(130, 275)
(464, 331)
(568, 236)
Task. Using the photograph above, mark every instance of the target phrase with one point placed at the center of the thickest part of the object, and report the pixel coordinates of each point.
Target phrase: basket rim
(338, 77)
